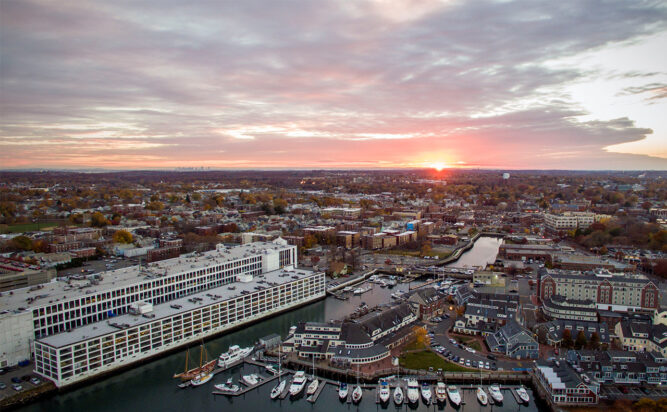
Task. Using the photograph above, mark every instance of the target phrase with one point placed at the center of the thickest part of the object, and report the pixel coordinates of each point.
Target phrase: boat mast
(187, 353)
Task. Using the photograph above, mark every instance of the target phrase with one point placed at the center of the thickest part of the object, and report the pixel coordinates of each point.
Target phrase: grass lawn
(26, 227)
(426, 359)
(469, 342)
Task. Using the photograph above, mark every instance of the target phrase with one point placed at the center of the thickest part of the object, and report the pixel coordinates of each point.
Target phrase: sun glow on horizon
(439, 166)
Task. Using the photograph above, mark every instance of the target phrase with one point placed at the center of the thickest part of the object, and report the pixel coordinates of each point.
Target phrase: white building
(569, 220)
(65, 305)
(71, 357)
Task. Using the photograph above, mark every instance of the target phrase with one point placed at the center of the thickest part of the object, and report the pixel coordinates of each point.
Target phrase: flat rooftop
(76, 286)
(187, 303)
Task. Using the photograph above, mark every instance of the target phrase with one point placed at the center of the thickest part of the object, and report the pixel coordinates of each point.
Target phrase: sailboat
(481, 396)
(398, 395)
(204, 368)
(497, 396)
(312, 387)
(357, 392)
(280, 387)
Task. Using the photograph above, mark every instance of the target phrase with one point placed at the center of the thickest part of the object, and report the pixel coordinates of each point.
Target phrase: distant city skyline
(333, 84)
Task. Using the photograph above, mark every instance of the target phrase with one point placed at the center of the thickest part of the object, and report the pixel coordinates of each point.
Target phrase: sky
(333, 84)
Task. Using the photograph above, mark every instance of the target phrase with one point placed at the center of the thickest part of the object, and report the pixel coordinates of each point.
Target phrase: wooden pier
(248, 388)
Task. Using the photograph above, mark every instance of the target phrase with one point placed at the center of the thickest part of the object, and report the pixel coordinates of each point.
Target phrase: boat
(454, 395)
(348, 288)
(298, 383)
(426, 393)
(398, 395)
(385, 391)
(441, 392)
(312, 387)
(202, 378)
(523, 394)
(228, 387)
(204, 365)
(234, 354)
(342, 391)
(271, 368)
(494, 390)
(481, 396)
(278, 389)
(251, 379)
(358, 291)
(356, 394)
(413, 390)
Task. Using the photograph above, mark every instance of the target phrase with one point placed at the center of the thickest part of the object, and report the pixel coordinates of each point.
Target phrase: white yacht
(523, 394)
(251, 379)
(298, 383)
(413, 390)
(398, 395)
(312, 387)
(228, 387)
(278, 389)
(481, 396)
(454, 395)
(385, 391)
(426, 393)
(441, 392)
(342, 391)
(356, 394)
(201, 378)
(235, 353)
(497, 396)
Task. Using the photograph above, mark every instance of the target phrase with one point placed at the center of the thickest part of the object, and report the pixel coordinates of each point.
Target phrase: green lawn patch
(26, 227)
(428, 359)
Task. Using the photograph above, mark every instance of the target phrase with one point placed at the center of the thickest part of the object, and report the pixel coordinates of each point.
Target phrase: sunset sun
(438, 166)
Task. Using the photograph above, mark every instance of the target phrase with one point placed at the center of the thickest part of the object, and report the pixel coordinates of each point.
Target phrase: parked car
(17, 387)
(16, 379)
(3, 386)
(486, 366)
(35, 381)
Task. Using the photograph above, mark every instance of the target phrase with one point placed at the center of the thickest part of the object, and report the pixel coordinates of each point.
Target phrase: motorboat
(202, 378)
(348, 289)
(356, 394)
(385, 391)
(523, 394)
(251, 379)
(426, 393)
(272, 369)
(234, 354)
(494, 391)
(454, 395)
(298, 383)
(278, 389)
(227, 387)
(312, 387)
(342, 391)
(398, 395)
(441, 392)
(482, 397)
(413, 390)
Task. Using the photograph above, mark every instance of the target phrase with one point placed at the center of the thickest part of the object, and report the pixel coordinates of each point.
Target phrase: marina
(150, 386)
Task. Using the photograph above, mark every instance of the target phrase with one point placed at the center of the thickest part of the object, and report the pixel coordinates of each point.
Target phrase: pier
(263, 380)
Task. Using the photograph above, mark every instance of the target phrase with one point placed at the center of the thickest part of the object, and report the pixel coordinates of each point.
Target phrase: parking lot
(19, 379)
(100, 265)
(441, 337)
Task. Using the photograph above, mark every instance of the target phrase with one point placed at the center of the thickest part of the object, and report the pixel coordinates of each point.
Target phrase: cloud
(301, 83)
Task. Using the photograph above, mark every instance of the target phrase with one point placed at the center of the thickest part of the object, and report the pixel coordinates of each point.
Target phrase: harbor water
(150, 387)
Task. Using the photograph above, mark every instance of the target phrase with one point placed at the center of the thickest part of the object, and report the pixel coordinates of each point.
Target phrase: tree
(421, 336)
(97, 219)
(22, 242)
(426, 249)
(567, 339)
(581, 341)
(595, 341)
(122, 236)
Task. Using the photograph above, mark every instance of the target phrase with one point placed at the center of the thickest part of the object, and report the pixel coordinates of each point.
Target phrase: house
(427, 302)
(620, 367)
(514, 341)
(554, 330)
(642, 337)
(563, 385)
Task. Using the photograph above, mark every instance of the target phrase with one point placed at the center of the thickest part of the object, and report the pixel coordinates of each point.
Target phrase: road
(442, 337)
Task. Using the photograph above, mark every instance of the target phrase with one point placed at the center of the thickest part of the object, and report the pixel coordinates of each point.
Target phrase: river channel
(150, 387)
